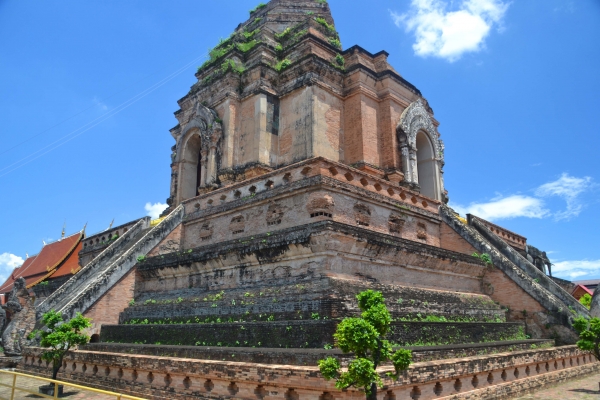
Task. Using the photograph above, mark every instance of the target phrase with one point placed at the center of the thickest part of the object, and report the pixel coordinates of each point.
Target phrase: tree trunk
(373, 395)
(56, 364)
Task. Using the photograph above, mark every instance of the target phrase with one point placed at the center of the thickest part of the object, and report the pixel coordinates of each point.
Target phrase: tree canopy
(59, 337)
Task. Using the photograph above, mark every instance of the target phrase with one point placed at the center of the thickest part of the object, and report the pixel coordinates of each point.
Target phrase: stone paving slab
(580, 389)
(32, 384)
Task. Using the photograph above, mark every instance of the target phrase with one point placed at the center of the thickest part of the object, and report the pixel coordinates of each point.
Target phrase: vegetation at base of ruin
(586, 300)
(589, 335)
(440, 318)
(540, 346)
(141, 258)
(258, 8)
(335, 42)
(364, 337)
(282, 65)
(483, 257)
(59, 337)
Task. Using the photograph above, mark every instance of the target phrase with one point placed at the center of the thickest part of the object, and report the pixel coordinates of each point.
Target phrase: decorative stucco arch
(201, 134)
(416, 120)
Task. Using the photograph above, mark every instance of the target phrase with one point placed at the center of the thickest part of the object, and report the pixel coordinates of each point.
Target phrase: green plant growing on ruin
(589, 335)
(321, 1)
(335, 42)
(258, 8)
(246, 47)
(132, 302)
(483, 257)
(323, 22)
(44, 283)
(141, 258)
(231, 65)
(59, 337)
(364, 337)
(282, 65)
(586, 300)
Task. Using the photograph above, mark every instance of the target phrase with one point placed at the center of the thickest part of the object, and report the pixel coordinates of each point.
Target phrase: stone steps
(60, 297)
(560, 307)
(112, 265)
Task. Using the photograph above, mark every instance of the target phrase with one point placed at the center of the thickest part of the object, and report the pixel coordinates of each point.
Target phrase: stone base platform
(498, 376)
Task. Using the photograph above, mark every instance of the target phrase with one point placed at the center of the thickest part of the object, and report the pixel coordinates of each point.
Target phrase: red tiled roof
(71, 264)
(580, 290)
(35, 269)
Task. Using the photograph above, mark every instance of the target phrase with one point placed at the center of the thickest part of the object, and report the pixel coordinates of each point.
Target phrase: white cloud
(569, 188)
(100, 104)
(449, 34)
(8, 262)
(154, 210)
(576, 269)
(505, 208)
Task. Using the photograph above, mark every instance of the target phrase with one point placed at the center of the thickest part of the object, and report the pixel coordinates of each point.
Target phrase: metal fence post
(12, 394)
(55, 390)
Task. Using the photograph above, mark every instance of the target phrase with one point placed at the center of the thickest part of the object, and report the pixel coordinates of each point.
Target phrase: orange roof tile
(45, 263)
(71, 264)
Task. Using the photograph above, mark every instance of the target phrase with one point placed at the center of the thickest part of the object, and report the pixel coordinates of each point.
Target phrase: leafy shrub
(589, 335)
(59, 337)
(586, 300)
(364, 337)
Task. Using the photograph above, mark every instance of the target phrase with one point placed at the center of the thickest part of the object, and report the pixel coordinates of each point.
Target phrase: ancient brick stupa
(302, 174)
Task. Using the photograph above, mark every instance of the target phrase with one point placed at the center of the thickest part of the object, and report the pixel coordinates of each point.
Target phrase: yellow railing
(14, 388)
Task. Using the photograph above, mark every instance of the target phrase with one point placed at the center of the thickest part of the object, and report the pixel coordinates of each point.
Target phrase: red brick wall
(107, 309)
(450, 240)
(505, 291)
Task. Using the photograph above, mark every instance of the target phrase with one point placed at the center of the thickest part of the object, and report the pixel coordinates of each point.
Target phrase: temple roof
(55, 259)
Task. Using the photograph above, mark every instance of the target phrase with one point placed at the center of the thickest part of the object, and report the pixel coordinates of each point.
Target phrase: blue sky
(88, 91)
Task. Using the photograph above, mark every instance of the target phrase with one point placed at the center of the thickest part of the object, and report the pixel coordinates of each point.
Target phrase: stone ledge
(309, 356)
(298, 235)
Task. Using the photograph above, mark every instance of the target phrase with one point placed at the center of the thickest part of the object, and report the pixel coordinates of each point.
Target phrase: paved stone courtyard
(580, 389)
(32, 384)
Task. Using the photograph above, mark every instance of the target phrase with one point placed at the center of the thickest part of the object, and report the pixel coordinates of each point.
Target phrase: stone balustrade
(483, 377)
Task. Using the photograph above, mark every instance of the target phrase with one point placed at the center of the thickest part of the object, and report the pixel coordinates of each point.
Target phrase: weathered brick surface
(108, 308)
(177, 378)
(295, 356)
(450, 240)
(304, 334)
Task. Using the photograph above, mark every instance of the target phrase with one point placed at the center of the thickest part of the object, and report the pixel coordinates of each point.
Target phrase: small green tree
(60, 337)
(589, 335)
(364, 337)
(586, 300)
